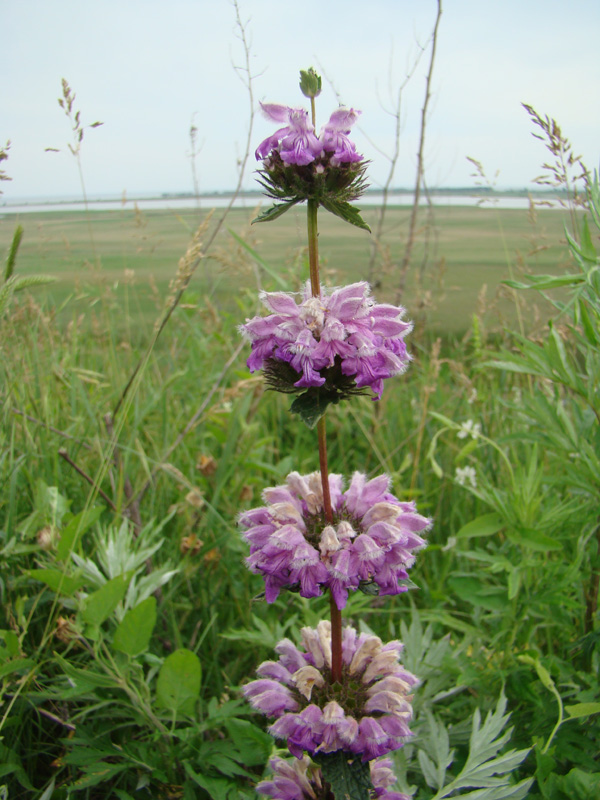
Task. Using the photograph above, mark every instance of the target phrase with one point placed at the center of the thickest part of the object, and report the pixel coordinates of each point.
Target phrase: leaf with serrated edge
(348, 776)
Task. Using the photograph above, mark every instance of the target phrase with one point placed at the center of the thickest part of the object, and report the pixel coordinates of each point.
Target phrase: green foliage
(123, 644)
(178, 684)
(347, 775)
(13, 283)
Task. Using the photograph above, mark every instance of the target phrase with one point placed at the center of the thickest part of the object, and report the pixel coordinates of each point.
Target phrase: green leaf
(471, 589)
(514, 583)
(253, 744)
(546, 282)
(98, 773)
(100, 604)
(312, 404)
(9, 763)
(217, 788)
(582, 710)
(85, 679)
(346, 212)
(348, 776)
(75, 528)
(486, 525)
(11, 644)
(178, 684)
(580, 785)
(133, 634)
(533, 539)
(16, 665)
(57, 580)
(587, 324)
(275, 211)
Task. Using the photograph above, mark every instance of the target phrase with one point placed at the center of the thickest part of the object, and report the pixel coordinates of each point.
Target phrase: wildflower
(295, 142)
(298, 165)
(368, 545)
(342, 340)
(466, 476)
(469, 428)
(334, 136)
(301, 779)
(367, 713)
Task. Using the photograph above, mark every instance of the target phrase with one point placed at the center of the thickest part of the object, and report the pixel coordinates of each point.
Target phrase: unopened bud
(310, 83)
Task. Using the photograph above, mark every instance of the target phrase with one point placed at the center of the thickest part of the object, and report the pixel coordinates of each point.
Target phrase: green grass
(467, 249)
(492, 599)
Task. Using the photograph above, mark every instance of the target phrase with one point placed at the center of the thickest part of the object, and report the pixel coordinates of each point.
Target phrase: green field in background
(458, 250)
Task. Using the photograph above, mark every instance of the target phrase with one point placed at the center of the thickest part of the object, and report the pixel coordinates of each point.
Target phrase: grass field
(458, 251)
(109, 472)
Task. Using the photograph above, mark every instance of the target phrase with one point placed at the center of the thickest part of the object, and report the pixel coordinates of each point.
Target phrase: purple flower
(371, 539)
(301, 779)
(334, 136)
(367, 713)
(295, 142)
(345, 330)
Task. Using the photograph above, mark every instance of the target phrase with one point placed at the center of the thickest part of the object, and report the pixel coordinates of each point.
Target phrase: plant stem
(313, 247)
(324, 471)
(336, 615)
(412, 228)
(336, 641)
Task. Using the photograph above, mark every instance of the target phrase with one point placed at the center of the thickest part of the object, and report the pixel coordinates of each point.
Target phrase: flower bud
(310, 83)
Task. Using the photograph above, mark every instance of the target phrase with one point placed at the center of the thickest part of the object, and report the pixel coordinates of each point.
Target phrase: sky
(150, 69)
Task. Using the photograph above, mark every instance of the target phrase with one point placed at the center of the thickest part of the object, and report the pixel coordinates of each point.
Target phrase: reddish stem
(336, 641)
(336, 614)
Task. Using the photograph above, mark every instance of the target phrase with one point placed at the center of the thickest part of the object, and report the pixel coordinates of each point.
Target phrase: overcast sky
(147, 68)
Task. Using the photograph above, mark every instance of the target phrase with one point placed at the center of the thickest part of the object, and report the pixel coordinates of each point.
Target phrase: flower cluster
(366, 714)
(298, 165)
(302, 780)
(296, 142)
(325, 339)
(369, 544)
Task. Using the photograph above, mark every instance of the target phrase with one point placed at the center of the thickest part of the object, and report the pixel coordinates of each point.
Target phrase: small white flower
(472, 396)
(469, 428)
(466, 476)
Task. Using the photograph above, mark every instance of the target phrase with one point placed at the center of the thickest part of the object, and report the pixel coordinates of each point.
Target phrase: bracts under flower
(301, 779)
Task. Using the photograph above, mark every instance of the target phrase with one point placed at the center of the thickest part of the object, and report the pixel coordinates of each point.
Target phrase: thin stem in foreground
(420, 168)
(336, 616)
(324, 470)
(336, 641)
(313, 247)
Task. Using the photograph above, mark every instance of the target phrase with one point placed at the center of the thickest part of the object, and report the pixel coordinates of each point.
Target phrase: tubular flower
(298, 164)
(302, 780)
(369, 544)
(367, 713)
(342, 339)
(296, 142)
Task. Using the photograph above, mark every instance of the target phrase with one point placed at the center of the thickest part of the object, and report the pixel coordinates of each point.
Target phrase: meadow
(128, 620)
(459, 251)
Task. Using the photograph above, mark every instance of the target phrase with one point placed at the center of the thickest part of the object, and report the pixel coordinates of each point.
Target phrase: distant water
(206, 202)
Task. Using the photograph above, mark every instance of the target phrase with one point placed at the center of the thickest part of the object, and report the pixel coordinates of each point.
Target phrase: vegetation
(133, 436)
